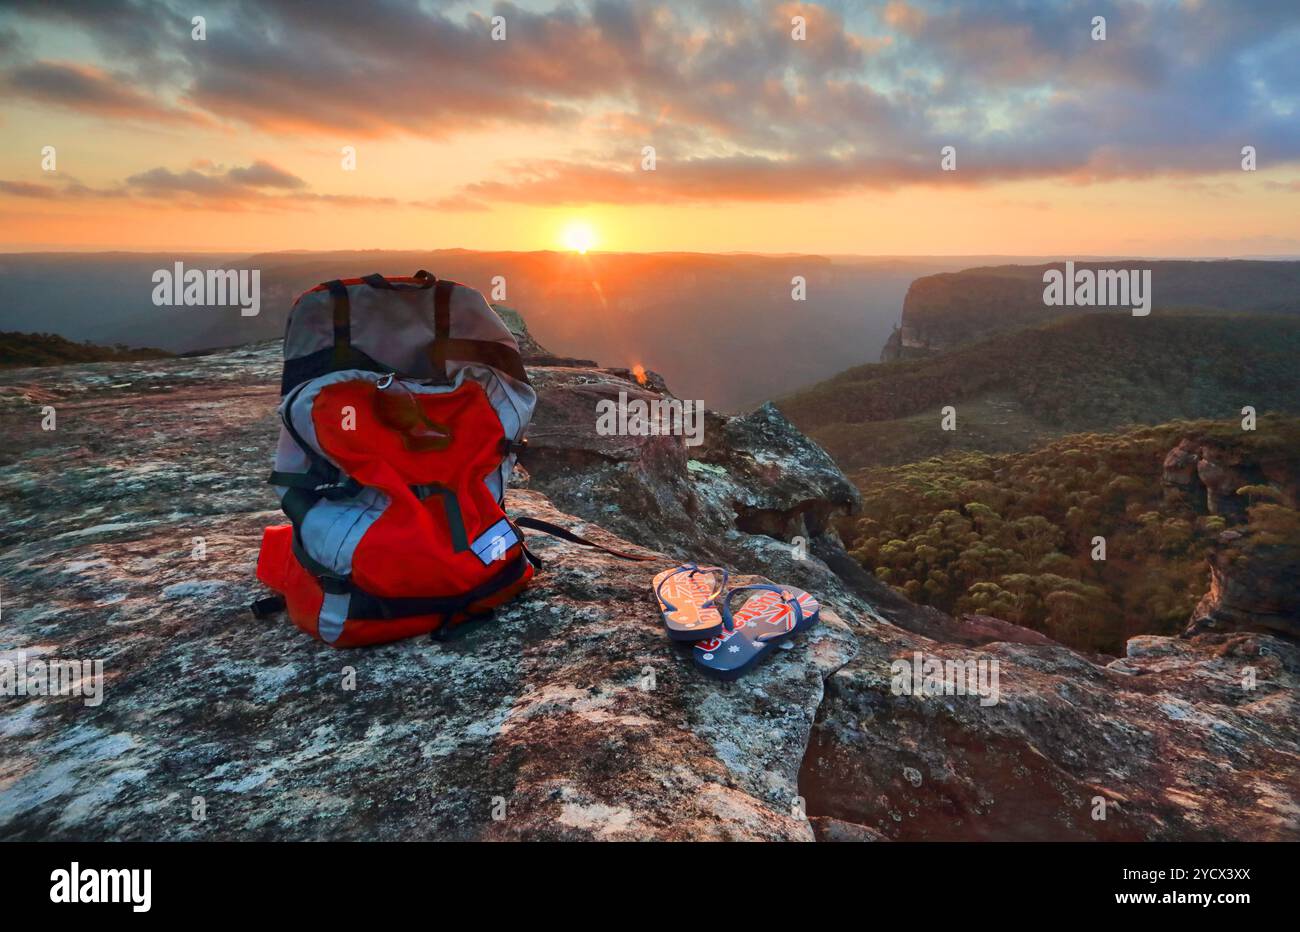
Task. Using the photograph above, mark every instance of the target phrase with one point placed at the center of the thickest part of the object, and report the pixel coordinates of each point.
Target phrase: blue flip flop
(772, 615)
(688, 601)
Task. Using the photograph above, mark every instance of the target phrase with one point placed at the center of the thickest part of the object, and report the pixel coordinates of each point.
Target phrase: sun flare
(579, 236)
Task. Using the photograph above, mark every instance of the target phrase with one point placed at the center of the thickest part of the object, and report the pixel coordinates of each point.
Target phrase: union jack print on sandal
(688, 598)
(773, 614)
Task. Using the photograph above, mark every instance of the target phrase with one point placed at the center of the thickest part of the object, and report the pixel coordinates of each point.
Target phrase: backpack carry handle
(425, 279)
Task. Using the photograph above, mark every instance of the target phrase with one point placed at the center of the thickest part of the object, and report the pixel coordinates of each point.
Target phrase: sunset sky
(1065, 145)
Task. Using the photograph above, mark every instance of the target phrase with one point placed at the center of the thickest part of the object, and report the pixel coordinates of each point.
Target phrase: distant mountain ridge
(1087, 372)
(47, 349)
(951, 309)
(666, 311)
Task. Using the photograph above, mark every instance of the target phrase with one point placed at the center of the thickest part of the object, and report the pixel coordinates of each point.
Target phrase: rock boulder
(129, 535)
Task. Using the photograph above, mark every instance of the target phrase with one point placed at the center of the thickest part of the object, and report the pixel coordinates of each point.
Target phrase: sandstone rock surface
(129, 535)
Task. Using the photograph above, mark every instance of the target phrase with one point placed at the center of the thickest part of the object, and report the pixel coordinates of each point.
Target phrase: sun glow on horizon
(578, 235)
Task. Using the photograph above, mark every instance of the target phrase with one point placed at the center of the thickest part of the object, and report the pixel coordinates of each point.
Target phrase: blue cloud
(1020, 88)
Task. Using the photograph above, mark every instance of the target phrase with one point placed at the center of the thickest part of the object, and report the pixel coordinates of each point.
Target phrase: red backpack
(403, 404)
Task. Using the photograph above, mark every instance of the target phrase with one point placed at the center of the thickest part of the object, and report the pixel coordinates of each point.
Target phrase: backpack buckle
(333, 584)
(338, 490)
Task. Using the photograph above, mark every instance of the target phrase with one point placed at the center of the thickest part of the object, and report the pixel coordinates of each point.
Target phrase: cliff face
(1086, 373)
(1156, 745)
(941, 312)
(130, 534)
(944, 311)
(1255, 563)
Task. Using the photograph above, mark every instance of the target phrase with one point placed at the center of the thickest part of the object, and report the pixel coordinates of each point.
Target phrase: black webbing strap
(555, 530)
(363, 605)
(296, 503)
(265, 608)
(305, 368)
(321, 476)
(451, 504)
(441, 327)
(311, 479)
(531, 557)
(487, 352)
(342, 323)
(329, 580)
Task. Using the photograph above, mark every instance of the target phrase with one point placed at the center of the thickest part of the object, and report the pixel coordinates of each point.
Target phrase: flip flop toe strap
(786, 597)
(692, 569)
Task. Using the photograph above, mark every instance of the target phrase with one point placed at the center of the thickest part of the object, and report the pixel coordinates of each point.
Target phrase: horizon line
(6, 250)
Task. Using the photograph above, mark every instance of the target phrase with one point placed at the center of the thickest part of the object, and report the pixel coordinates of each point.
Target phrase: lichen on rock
(130, 533)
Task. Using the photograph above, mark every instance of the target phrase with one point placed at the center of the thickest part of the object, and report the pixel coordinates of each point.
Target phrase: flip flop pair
(696, 607)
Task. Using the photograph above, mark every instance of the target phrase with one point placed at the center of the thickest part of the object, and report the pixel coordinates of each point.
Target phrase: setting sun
(578, 236)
